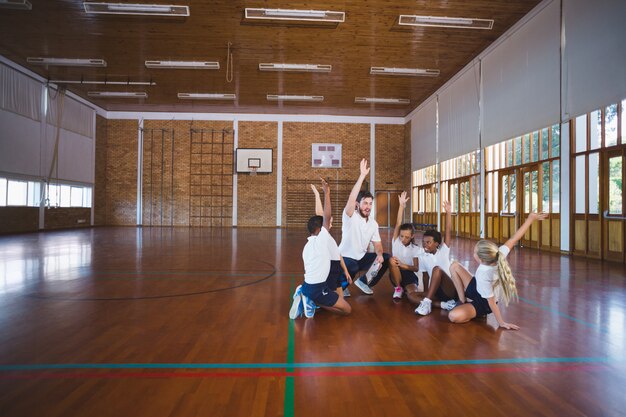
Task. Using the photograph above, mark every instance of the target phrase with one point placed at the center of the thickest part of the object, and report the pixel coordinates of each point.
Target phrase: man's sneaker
(309, 306)
(449, 305)
(363, 287)
(296, 306)
(424, 308)
(346, 293)
(398, 292)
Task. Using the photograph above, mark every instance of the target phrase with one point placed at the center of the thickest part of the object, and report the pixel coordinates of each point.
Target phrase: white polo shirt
(406, 254)
(486, 276)
(356, 234)
(441, 258)
(316, 256)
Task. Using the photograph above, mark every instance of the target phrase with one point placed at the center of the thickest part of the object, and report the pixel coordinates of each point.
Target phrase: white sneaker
(363, 287)
(397, 293)
(449, 305)
(346, 293)
(309, 307)
(296, 306)
(424, 308)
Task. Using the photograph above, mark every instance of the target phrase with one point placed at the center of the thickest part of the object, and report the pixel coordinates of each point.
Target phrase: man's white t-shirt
(487, 275)
(441, 258)
(317, 256)
(356, 234)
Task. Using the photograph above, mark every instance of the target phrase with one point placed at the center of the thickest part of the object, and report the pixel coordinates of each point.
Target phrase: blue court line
(602, 329)
(305, 365)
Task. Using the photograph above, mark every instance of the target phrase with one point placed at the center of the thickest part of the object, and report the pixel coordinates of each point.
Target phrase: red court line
(282, 374)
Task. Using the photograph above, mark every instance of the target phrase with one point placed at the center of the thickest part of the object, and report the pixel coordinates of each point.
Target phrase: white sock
(427, 300)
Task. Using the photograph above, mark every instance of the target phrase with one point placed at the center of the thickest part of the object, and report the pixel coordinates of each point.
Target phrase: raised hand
(402, 199)
(538, 216)
(325, 186)
(364, 169)
(447, 207)
(314, 188)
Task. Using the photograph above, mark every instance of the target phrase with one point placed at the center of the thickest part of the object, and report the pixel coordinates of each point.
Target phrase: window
(3, 192)
(581, 133)
(595, 129)
(17, 194)
(64, 195)
(610, 125)
(615, 185)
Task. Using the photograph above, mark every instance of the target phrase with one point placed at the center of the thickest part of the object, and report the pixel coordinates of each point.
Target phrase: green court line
(310, 365)
(289, 406)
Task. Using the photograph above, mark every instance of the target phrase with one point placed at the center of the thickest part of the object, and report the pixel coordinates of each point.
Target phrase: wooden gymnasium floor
(193, 322)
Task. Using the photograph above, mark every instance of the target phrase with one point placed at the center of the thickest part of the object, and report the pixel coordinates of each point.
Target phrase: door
(530, 204)
(387, 208)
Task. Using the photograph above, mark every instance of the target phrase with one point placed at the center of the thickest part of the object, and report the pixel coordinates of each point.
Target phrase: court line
(600, 328)
(290, 375)
(305, 365)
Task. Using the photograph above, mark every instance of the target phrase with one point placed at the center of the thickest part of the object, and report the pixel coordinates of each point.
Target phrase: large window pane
(615, 185)
(556, 186)
(3, 192)
(87, 197)
(53, 195)
(489, 193)
(526, 144)
(65, 195)
(595, 129)
(579, 190)
(556, 141)
(534, 156)
(610, 125)
(545, 187)
(505, 194)
(545, 143)
(581, 133)
(495, 191)
(76, 196)
(518, 150)
(34, 193)
(623, 121)
(534, 203)
(17, 193)
(594, 183)
(510, 150)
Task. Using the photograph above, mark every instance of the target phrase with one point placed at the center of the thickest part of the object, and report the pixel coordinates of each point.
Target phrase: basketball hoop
(253, 171)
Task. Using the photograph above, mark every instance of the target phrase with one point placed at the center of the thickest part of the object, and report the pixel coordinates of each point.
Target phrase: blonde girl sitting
(493, 281)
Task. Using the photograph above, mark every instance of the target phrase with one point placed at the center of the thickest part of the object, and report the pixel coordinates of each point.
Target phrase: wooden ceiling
(370, 36)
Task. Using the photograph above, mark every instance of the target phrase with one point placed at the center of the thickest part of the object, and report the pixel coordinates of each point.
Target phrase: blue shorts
(408, 278)
(481, 305)
(323, 293)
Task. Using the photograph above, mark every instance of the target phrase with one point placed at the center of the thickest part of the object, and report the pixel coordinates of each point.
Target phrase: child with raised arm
(436, 262)
(404, 263)
(322, 269)
(493, 281)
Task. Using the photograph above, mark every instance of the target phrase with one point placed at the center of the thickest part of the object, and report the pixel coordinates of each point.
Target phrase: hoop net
(253, 171)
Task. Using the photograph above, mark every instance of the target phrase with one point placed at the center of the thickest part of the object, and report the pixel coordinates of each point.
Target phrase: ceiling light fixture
(118, 94)
(206, 96)
(299, 15)
(445, 22)
(382, 100)
(410, 72)
(67, 62)
(295, 67)
(183, 64)
(286, 97)
(136, 9)
(106, 82)
(16, 4)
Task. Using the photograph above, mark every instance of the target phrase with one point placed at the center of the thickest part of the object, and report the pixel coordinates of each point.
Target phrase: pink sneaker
(398, 292)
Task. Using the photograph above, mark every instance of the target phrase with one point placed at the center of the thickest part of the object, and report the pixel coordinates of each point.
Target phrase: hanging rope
(54, 165)
(229, 64)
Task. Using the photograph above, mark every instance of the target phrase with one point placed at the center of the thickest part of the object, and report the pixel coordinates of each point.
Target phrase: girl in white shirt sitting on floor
(493, 281)
(404, 270)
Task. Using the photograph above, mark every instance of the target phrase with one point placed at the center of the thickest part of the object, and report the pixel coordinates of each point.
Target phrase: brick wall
(19, 219)
(100, 177)
(297, 141)
(67, 217)
(121, 173)
(390, 157)
(256, 195)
